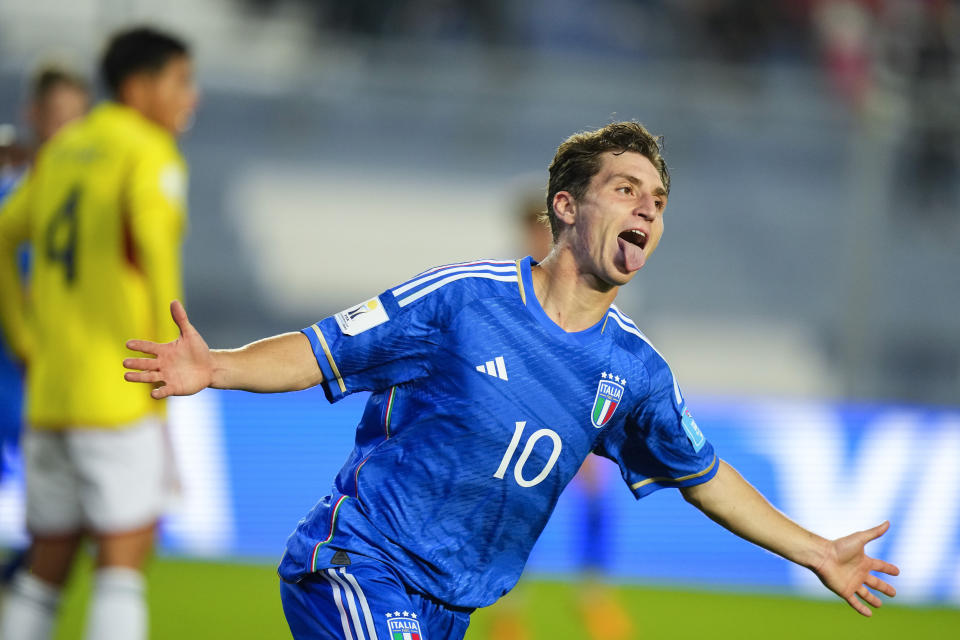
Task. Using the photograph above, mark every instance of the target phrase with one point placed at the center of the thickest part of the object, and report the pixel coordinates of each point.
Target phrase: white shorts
(99, 480)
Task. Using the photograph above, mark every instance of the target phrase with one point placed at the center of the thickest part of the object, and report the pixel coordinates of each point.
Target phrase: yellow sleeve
(14, 231)
(157, 219)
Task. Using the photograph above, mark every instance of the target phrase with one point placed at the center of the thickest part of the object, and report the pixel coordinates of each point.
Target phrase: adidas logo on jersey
(495, 368)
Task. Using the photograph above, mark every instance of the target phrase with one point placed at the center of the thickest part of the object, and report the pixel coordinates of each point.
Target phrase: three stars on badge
(610, 376)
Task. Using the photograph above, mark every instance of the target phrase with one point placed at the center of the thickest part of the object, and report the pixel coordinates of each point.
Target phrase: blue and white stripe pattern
(339, 581)
(630, 327)
(431, 280)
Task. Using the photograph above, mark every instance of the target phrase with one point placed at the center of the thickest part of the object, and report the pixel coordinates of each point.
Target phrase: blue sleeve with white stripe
(660, 444)
(376, 344)
(393, 338)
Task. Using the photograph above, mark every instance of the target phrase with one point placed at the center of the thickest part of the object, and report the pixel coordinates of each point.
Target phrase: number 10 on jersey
(525, 454)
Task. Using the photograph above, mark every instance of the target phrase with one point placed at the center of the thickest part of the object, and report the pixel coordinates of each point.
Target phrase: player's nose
(645, 209)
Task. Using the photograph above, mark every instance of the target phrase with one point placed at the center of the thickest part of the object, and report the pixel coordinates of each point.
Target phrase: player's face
(62, 104)
(172, 95)
(618, 223)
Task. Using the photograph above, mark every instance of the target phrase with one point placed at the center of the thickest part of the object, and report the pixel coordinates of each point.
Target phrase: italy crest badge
(403, 626)
(609, 394)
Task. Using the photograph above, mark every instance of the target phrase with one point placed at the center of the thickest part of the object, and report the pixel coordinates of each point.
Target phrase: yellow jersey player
(57, 96)
(104, 212)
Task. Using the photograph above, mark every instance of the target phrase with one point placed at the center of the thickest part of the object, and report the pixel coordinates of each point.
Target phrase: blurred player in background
(535, 230)
(104, 211)
(56, 96)
(491, 383)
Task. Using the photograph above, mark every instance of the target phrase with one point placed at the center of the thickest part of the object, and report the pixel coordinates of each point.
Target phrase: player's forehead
(628, 165)
(179, 64)
(62, 92)
(176, 68)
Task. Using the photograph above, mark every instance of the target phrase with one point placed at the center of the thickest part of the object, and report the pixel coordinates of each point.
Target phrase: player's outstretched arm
(187, 365)
(841, 564)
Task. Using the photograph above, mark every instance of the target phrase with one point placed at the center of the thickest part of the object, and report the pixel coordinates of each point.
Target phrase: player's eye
(659, 204)
(625, 190)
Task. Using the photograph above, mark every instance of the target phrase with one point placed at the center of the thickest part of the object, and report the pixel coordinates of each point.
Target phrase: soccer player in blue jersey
(491, 381)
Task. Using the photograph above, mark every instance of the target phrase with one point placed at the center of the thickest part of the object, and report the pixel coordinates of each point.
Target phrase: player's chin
(617, 278)
(620, 275)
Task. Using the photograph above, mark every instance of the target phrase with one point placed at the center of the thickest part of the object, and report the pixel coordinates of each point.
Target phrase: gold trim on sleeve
(644, 483)
(523, 295)
(326, 351)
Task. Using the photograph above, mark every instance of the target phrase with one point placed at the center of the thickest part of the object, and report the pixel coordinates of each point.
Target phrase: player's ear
(564, 207)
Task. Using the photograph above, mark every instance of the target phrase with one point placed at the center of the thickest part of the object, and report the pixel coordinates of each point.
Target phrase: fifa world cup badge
(609, 393)
(403, 625)
(696, 436)
(365, 315)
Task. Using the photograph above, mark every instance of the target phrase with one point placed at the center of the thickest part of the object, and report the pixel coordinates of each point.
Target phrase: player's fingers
(885, 567)
(876, 532)
(869, 597)
(180, 316)
(877, 584)
(142, 376)
(143, 346)
(161, 392)
(144, 364)
(860, 608)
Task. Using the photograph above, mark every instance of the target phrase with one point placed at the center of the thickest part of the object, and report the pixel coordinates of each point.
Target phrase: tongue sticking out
(633, 257)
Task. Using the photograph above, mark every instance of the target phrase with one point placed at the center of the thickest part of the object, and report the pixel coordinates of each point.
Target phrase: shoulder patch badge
(365, 315)
(693, 431)
(173, 184)
(609, 394)
(403, 625)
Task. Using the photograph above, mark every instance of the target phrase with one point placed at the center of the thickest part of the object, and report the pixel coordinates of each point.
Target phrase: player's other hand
(846, 570)
(180, 368)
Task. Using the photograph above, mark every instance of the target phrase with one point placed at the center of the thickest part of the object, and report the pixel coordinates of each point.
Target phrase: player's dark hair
(578, 160)
(50, 76)
(138, 50)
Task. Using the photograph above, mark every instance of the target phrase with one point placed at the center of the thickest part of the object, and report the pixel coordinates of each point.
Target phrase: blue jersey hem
(655, 484)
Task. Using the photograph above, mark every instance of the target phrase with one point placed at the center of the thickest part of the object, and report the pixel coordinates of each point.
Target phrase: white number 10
(527, 450)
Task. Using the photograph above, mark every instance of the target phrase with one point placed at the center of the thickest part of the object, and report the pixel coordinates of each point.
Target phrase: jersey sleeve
(15, 230)
(377, 344)
(659, 445)
(157, 217)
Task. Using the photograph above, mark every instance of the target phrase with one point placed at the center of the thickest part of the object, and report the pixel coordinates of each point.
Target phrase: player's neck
(569, 297)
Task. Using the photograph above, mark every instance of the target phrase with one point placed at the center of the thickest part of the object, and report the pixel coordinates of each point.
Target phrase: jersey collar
(533, 306)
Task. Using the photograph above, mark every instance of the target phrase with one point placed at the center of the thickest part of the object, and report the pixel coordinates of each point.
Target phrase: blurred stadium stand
(342, 146)
(813, 237)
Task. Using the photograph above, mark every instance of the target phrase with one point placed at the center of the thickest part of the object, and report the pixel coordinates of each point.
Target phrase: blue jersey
(482, 410)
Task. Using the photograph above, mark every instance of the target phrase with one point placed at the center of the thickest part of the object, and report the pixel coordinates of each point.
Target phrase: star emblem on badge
(610, 376)
(389, 615)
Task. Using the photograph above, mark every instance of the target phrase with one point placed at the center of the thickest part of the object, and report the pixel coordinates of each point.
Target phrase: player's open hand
(846, 570)
(180, 368)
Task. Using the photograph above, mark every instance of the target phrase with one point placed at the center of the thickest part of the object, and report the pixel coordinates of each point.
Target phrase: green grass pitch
(193, 599)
